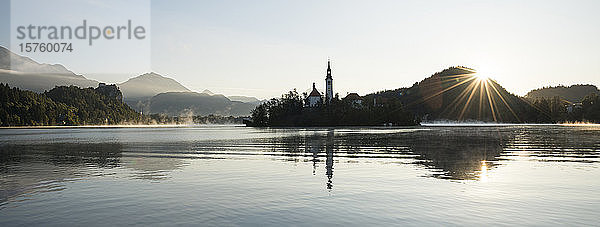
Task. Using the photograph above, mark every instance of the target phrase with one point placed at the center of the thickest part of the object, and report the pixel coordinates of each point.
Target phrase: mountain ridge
(194, 103)
(15, 62)
(138, 92)
(574, 93)
(150, 84)
(27, 74)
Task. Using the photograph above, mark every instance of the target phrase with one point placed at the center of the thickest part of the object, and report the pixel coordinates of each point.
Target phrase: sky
(266, 48)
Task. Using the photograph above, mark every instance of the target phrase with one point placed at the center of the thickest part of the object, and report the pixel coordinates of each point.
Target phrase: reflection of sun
(483, 175)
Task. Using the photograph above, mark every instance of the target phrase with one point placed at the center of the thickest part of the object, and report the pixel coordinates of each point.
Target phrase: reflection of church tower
(328, 84)
(329, 160)
(312, 144)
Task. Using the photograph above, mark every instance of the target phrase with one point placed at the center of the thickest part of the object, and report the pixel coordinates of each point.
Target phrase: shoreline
(241, 125)
(117, 126)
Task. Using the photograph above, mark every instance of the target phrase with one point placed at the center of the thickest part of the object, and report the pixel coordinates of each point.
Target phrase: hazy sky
(264, 48)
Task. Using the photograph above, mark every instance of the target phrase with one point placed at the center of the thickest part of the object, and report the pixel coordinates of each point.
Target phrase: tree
(289, 110)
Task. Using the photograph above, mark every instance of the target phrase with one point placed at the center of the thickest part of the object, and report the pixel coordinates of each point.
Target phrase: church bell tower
(328, 84)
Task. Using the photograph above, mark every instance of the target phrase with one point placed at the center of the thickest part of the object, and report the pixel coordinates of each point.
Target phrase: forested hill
(459, 93)
(64, 106)
(574, 93)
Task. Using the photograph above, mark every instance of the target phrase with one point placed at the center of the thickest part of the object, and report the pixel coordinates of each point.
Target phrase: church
(314, 98)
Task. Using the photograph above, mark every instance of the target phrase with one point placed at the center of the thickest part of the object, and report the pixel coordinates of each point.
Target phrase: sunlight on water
(483, 175)
(230, 175)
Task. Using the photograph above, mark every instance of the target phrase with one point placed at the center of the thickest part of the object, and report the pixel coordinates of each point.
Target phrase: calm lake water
(227, 175)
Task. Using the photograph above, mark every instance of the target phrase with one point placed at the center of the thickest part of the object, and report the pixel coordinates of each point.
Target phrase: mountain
(14, 62)
(459, 93)
(27, 74)
(243, 99)
(208, 92)
(148, 85)
(237, 98)
(574, 93)
(193, 103)
(148, 93)
(153, 93)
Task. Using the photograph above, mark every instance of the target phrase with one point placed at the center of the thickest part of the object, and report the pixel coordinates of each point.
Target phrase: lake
(231, 175)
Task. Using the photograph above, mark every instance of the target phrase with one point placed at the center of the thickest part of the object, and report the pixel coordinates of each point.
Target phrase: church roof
(314, 92)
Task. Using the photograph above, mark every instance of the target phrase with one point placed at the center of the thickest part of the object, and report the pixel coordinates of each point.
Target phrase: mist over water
(231, 175)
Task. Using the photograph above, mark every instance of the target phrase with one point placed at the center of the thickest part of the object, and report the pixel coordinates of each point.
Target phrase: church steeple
(328, 83)
(328, 70)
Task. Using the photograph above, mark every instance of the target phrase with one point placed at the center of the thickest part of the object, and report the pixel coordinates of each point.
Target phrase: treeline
(19, 108)
(558, 110)
(211, 119)
(291, 110)
(456, 94)
(72, 105)
(590, 109)
(64, 106)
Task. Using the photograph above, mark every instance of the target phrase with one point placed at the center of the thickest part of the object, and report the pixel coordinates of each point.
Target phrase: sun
(481, 76)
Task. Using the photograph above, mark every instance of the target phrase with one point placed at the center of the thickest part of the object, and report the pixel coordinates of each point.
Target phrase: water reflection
(554, 144)
(329, 161)
(313, 144)
(27, 169)
(453, 153)
(45, 167)
(483, 174)
(459, 154)
(152, 168)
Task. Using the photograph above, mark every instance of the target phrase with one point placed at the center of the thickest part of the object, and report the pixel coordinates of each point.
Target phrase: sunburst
(474, 86)
(481, 77)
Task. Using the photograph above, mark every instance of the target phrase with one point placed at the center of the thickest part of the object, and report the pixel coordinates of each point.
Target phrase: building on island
(574, 106)
(354, 99)
(314, 98)
(111, 91)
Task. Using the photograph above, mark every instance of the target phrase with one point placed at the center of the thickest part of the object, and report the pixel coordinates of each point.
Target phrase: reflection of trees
(310, 146)
(103, 155)
(45, 167)
(457, 153)
(36, 168)
(558, 143)
(290, 145)
(151, 168)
